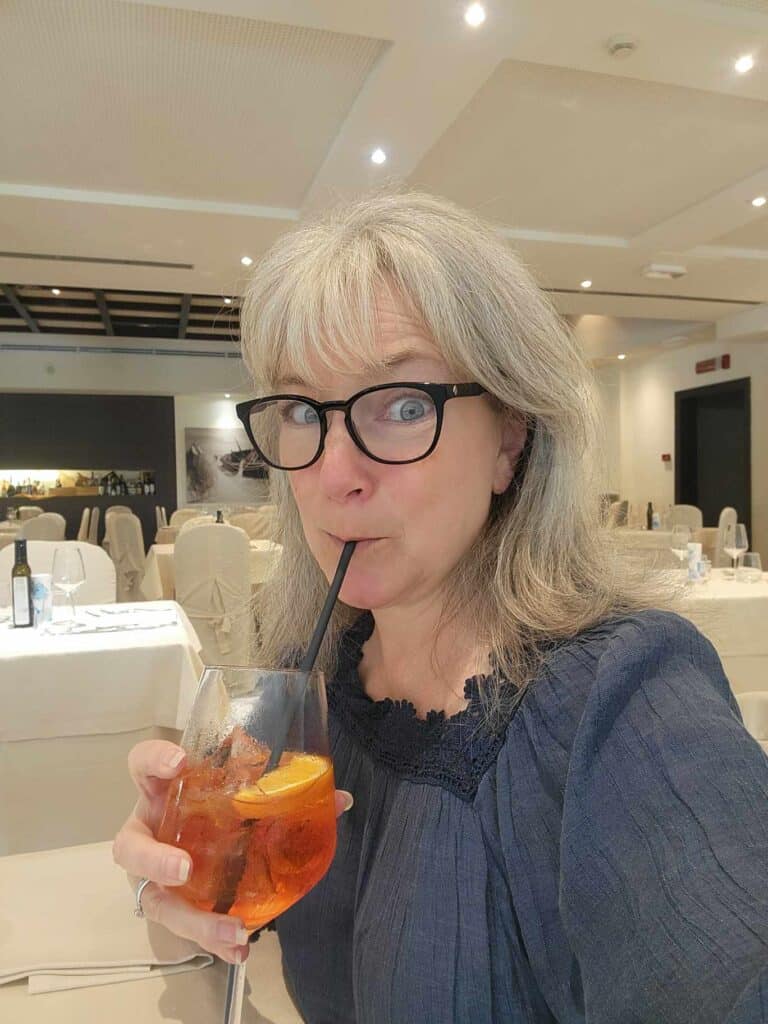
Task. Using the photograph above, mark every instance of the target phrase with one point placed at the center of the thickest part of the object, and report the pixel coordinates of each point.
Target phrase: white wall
(647, 422)
(608, 381)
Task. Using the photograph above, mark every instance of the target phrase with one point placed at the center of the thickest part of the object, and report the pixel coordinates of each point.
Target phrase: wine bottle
(219, 516)
(649, 516)
(21, 586)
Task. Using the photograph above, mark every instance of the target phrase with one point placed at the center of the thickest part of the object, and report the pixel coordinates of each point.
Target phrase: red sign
(706, 365)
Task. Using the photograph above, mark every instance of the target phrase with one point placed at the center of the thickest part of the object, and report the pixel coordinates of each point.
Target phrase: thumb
(344, 801)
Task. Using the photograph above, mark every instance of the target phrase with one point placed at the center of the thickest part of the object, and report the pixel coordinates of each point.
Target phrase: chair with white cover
(126, 548)
(85, 518)
(163, 516)
(617, 513)
(258, 525)
(213, 586)
(93, 525)
(99, 586)
(29, 512)
(181, 515)
(160, 517)
(199, 520)
(728, 517)
(48, 526)
(112, 513)
(754, 712)
(687, 515)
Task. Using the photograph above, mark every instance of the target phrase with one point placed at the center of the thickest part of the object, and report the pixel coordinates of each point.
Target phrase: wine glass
(68, 574)
(735, 543)
(681, 536)
(259, 837)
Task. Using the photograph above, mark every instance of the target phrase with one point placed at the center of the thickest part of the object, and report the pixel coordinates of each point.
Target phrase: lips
(358, 539)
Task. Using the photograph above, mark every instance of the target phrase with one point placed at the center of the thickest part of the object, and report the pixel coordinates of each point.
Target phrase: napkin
(66, 921)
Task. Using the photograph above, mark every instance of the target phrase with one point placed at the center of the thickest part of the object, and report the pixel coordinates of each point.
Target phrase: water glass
(751, 570)
(735, 543)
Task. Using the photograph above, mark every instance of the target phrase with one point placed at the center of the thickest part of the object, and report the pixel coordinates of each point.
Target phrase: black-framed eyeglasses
(390, 423)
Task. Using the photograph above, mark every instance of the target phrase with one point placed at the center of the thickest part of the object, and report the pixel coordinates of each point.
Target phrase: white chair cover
(112, 512)
(99, 586)
(116, 508)
(82, 533)
(197, 521)
(182, 514)
(126, 547)
(48, 526)
(617, 513)
(29, 512)
(163, 516)
(211, 568)
(687, 515)
(158, 517)
(728, 517)
(93, 525)
(258, 525)
(754, 711)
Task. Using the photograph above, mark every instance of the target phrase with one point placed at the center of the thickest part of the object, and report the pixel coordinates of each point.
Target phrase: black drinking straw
(236, 972)
(308, 661)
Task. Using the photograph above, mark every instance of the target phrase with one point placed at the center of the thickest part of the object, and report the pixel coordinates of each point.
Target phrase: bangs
(315, 312)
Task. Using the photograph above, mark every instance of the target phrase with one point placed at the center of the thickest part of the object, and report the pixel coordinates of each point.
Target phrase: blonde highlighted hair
(542, 568)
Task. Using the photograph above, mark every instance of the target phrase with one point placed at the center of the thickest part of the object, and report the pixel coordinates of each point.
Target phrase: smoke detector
(664, 271)
(621, 46)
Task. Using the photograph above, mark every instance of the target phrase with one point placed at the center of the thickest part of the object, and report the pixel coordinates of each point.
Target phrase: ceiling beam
(106, 319)
(184, 315)
(10, 293)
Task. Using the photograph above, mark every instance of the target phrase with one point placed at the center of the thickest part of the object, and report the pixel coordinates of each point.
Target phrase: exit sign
(717, 363)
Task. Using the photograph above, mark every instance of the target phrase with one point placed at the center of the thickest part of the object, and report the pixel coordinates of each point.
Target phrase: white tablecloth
(72, 705)
(159, 579)
(734, 616)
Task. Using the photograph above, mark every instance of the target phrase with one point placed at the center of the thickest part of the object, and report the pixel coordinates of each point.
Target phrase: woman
(558, 815)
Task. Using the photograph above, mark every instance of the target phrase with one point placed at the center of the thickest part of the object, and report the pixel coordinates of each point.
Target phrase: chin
(363, 591)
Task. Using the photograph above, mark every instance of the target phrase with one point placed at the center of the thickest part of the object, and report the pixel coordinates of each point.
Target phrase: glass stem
(233, 1006)
(72, 603)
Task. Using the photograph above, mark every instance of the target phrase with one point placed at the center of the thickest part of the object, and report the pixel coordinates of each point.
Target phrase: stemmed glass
(681, 535)
(735, 543)
(68, 574)
(259, 837)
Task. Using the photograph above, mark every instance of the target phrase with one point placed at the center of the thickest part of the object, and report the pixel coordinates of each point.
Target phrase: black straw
(308, 661)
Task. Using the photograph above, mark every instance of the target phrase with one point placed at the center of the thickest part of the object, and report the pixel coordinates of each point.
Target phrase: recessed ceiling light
(759, 201)
(227, 302)
(586, 284)
(744, 64)
(56, 291)
(621, 356)
(227, 394)
(246, 261)
(378, 156)
(474, 15)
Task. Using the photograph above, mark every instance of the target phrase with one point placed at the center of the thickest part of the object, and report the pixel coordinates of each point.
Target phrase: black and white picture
(221, 466)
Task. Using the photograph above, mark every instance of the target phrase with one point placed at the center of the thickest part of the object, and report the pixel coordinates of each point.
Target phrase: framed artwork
(221, 466)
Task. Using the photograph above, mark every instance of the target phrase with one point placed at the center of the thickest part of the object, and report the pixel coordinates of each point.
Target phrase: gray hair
(542, 568)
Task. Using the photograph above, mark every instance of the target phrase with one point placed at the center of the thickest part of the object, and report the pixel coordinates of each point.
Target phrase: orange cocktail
(258, 841)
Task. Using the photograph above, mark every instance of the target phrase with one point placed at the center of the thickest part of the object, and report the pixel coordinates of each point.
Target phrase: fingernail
(176, 760)
(177, 868)
(240, 955)
(348, 801)
(232, 933)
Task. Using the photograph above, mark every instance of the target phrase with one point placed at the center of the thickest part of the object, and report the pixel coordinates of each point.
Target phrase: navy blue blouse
(602, 857)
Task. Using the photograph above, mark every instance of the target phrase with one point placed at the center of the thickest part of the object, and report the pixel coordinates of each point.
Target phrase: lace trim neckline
(452, 752)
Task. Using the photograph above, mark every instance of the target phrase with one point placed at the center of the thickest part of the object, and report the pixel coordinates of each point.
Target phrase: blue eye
(408, 409)
(298, 414)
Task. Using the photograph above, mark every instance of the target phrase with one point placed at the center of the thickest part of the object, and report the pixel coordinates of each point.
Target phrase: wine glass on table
(681, 536)
(68, 574)
(735, 543)
(260, 836)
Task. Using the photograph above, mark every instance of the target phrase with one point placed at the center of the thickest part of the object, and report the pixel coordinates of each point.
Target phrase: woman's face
(420, 518)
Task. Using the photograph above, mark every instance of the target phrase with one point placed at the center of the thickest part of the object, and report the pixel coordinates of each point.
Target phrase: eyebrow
(388, 363)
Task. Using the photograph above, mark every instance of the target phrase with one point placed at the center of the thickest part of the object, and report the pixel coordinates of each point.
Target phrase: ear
(513, 434)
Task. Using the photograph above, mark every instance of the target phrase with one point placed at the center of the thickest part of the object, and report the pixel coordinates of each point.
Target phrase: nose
(343, 469)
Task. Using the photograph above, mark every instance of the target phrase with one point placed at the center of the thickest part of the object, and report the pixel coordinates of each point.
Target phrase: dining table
(159, 579)
(74, 698)
(732, 612)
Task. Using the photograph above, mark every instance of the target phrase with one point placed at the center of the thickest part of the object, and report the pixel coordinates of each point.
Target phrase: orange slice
(281, 790)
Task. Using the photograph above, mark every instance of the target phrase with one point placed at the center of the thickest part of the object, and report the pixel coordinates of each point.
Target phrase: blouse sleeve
(664, 845)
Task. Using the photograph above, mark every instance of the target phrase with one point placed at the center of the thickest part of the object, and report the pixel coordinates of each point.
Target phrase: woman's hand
(153, 766)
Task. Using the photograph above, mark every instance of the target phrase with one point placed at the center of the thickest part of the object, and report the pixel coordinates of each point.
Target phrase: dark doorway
(713, 463)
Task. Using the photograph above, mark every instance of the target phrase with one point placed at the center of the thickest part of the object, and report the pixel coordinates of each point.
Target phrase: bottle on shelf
(649, 516)
(219, 516)
(21, 586)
